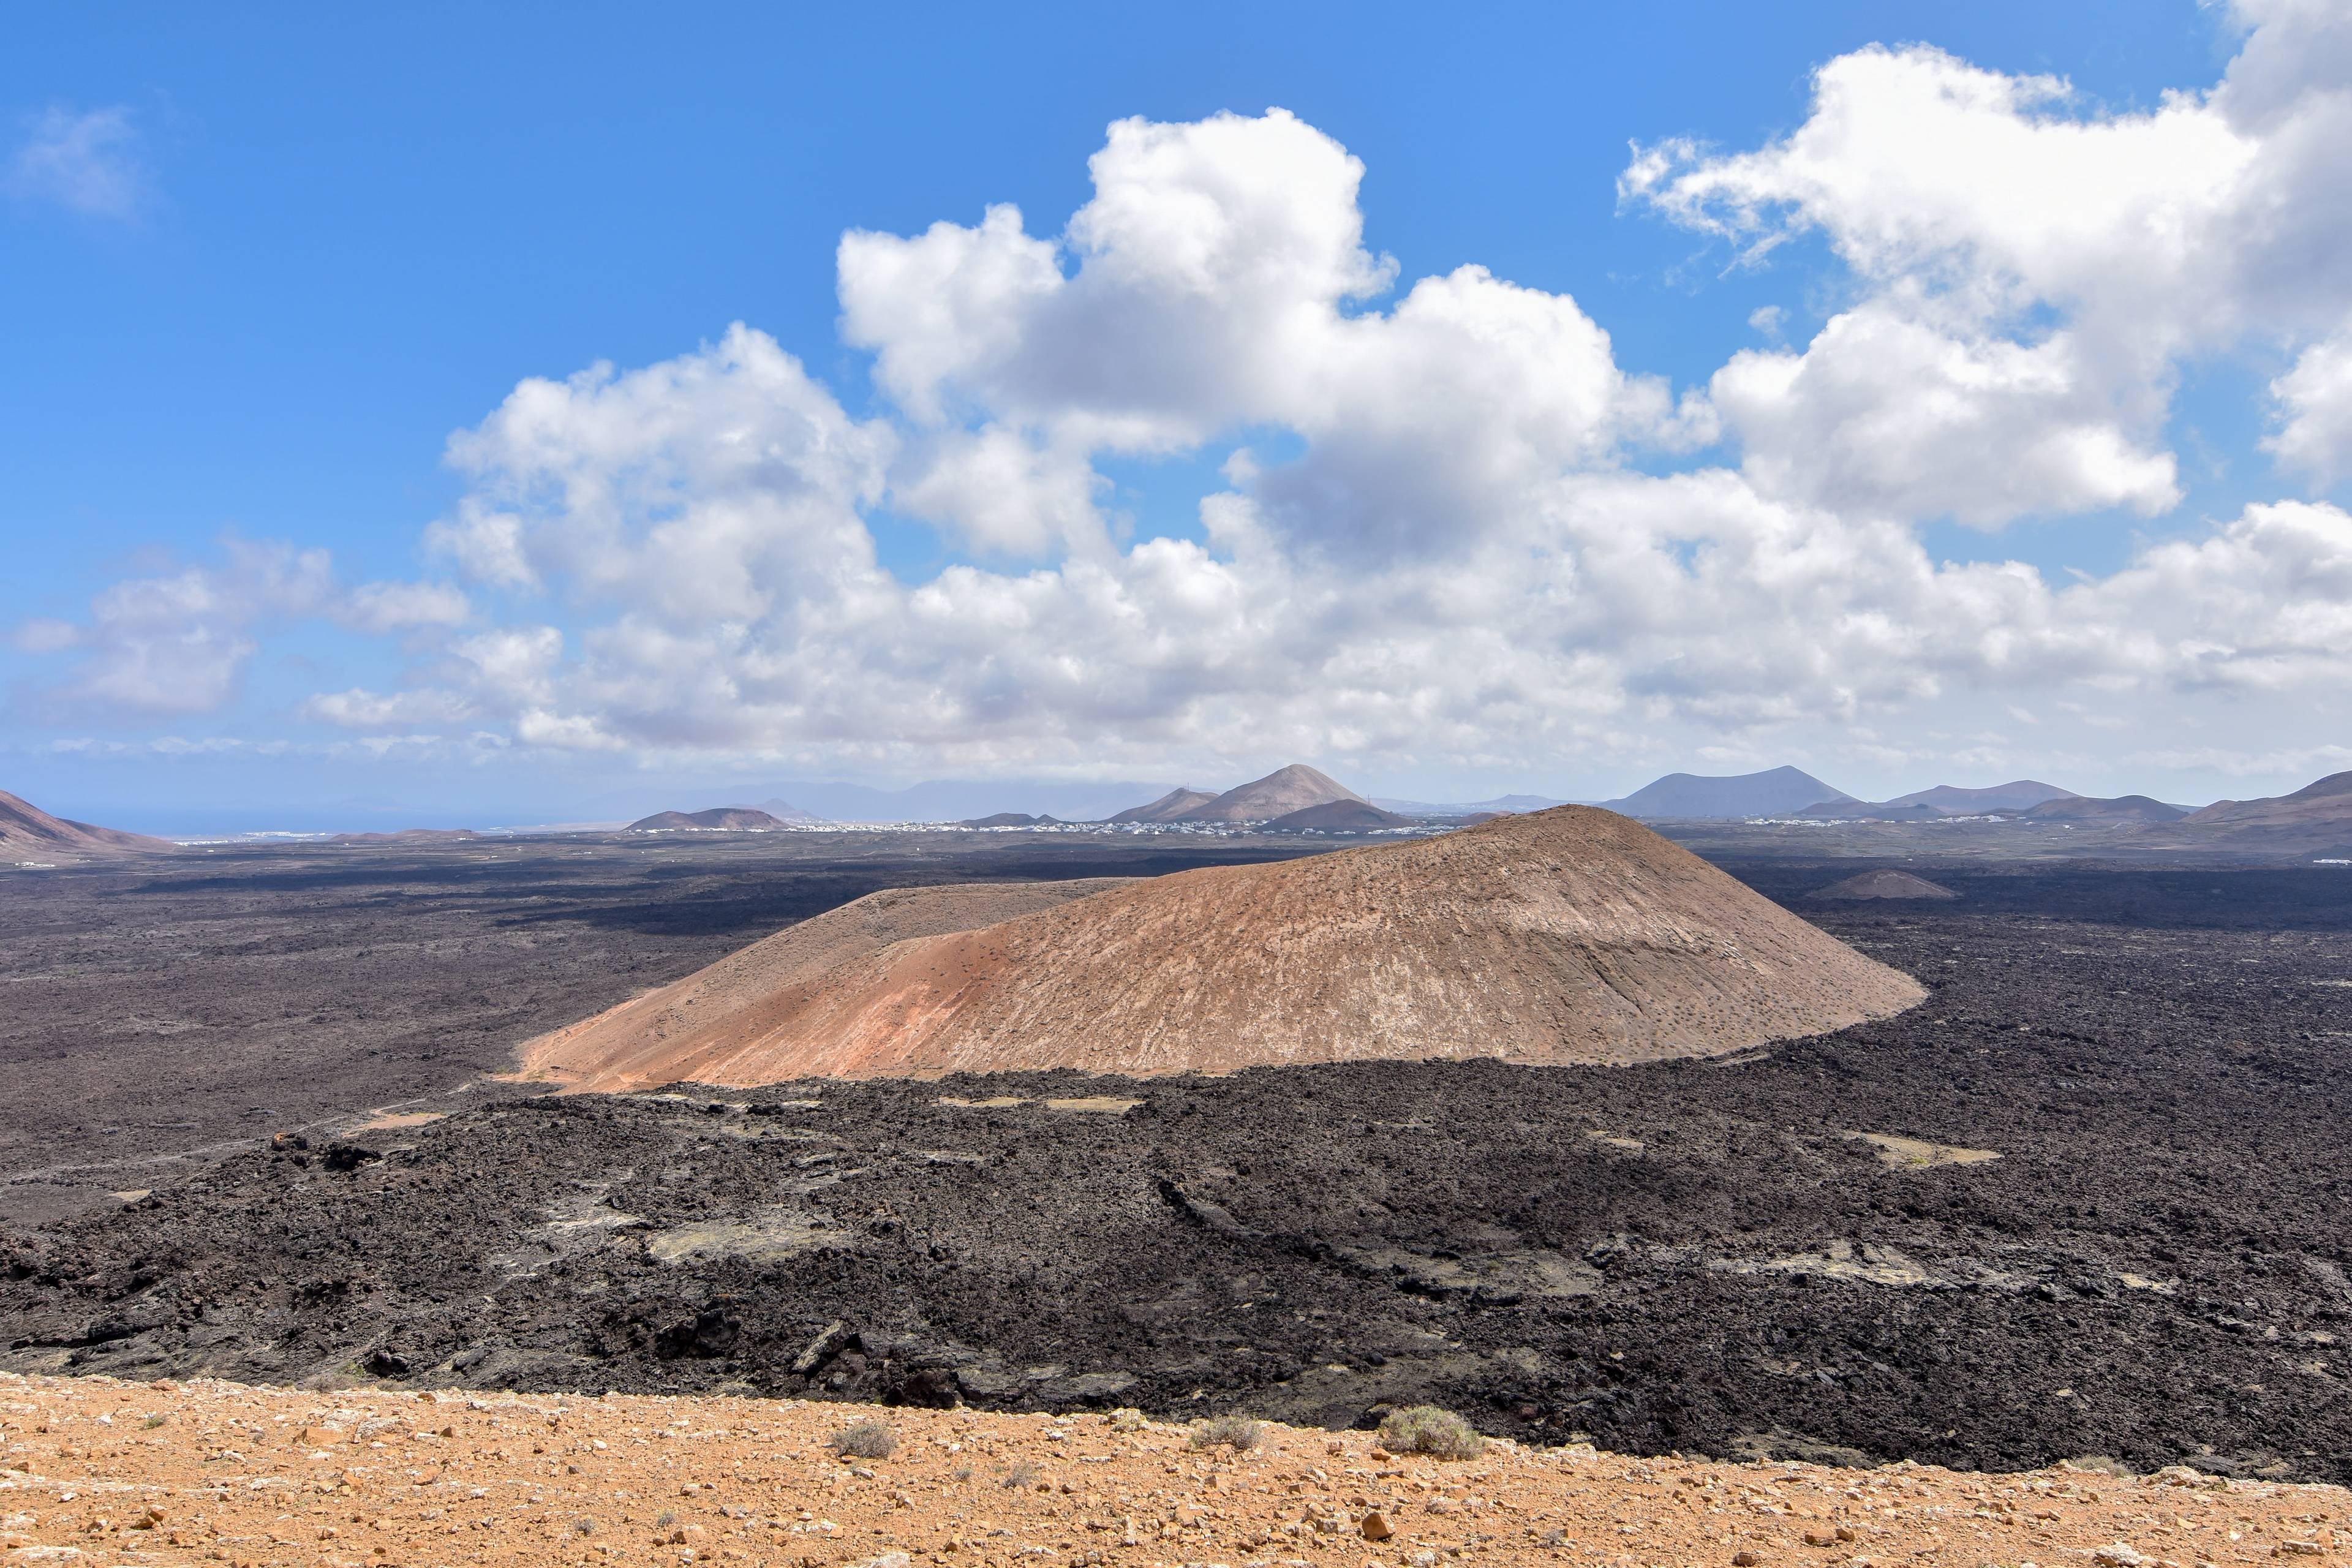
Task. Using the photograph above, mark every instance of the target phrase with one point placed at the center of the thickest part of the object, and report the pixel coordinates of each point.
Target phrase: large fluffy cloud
(1447, 535)
(2032, 270)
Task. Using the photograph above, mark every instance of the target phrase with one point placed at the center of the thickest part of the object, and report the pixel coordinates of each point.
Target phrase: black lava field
(2104, 1207)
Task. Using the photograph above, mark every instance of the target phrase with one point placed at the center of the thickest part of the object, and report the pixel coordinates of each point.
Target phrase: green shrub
(1426, 1429)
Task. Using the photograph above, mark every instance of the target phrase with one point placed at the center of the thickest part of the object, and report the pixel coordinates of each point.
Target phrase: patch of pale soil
(396, 1121)
(1562, 936)
(100, 1472)
(1918, 1155)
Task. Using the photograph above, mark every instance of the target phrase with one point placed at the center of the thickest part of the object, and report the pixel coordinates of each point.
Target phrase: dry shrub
(865, 1440)
(1238, 1433)
(1426, 1429)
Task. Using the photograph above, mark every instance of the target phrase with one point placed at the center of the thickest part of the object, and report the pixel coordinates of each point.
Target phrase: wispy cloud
(85, 159)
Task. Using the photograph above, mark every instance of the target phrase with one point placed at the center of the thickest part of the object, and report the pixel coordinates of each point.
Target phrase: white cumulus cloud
(2035, 270)
(1463, 535)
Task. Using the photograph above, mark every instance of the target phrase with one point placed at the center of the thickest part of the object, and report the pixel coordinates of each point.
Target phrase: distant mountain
(414, 835)
(1341, 817)
(2021, 794)
(1012, 819)
(26, 829)
(959, 800)
(2329, 800)
(1946, 801)
(1501, 806)
(2316, 819)
(719, 819)
(1278, 794)
(1776, 792)
(2123, 810)
(1168, 807)
(785, 811)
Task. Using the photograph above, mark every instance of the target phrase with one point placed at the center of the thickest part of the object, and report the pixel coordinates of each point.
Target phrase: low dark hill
(1885, 885)
(1012, 819)
(26, 829)
(719, 819)
(1341, 817)
(413, 835)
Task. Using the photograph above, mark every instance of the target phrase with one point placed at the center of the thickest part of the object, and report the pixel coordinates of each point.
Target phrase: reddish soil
(105, 1472)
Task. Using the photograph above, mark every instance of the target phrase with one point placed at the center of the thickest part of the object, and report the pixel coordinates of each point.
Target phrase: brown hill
(1278, 794)
(2315, 819)
(2121, 811)
(1010, 819)
(2328, 801)
(719, 819)
(664, 1035)
(1569, 935)
(1885, 885)
(25, 828)
(1168, 807)
(1341, 817)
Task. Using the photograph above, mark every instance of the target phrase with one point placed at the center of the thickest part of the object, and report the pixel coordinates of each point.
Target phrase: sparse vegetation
(583, 1526)
(664, 1519)
(1022, 1476)
(155, 1421)
(865, 1440)
(1126, 1418)
(1426, 1429)
(1238, 1433)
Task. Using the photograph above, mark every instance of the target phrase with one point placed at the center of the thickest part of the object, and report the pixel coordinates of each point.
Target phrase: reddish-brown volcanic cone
(1563, 936)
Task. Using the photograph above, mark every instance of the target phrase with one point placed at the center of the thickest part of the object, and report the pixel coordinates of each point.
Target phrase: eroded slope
(1569, 935)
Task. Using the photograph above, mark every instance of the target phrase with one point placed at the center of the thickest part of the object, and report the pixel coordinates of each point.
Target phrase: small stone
(1376, 1526)
(1745, 1559)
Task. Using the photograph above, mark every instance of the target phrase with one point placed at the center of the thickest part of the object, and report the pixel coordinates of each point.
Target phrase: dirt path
(98, 1471)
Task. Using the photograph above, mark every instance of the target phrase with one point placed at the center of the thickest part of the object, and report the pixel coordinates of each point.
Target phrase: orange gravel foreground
(98, 1471)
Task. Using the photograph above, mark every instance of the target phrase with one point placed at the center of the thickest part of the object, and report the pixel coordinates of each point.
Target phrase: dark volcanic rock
(1691, 1255)
(1683, 1256)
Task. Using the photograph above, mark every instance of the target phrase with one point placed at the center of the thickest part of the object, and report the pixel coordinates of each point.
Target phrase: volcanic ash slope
(1563, 936)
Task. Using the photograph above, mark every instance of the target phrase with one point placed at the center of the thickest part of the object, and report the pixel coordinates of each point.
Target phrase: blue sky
(331, 240)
